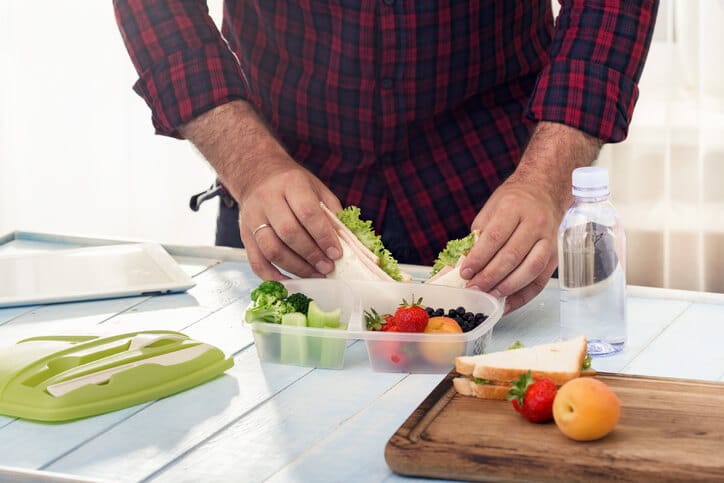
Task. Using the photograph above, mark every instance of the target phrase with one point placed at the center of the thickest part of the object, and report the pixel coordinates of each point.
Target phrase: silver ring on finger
(258, 228)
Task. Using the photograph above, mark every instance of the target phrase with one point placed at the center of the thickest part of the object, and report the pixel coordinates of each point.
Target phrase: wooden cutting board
(670, 429)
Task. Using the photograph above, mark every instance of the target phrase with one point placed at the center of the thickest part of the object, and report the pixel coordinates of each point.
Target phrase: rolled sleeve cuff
(187, 84)
(587, 96)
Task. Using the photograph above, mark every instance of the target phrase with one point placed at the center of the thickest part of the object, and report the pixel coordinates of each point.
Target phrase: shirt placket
(387, 80)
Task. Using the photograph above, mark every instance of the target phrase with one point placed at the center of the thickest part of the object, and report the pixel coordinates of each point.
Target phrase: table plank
(71, 318)
(223, 284)
(170, 427)
(280, 430)
(675, 353)
(224, 328)
(354, 451)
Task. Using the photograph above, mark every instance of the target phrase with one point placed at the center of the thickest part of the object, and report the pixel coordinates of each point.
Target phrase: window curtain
(667, 178)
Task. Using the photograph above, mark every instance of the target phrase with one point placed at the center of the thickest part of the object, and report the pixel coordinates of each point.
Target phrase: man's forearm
(234, 140)
(553, 152)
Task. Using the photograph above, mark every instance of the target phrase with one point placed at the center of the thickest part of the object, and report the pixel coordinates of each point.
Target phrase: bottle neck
(590, 199)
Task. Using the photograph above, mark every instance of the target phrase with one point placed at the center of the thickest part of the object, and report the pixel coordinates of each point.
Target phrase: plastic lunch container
(387, 351)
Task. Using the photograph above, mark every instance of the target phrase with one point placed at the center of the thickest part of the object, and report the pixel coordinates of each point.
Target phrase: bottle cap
(590, 182)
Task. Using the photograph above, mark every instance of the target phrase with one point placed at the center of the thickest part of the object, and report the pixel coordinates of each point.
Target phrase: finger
(320, 244)
(300, 245)
(529, 292)
(259, 264)
(492, 237)
(528, 270)
(331, 201)
(519, 253)
(277, 252)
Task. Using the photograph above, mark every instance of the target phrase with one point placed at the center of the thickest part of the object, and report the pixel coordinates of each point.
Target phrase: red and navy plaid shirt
(424, 104)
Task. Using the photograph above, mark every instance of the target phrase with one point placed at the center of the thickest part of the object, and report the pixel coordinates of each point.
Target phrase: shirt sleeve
(598, 52)
(185, 67)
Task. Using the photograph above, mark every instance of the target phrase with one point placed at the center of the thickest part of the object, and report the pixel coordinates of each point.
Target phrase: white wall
(77, 149)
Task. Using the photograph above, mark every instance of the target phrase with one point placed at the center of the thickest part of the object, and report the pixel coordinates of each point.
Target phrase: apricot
(586, 409)
(442, 324)
(440, 352)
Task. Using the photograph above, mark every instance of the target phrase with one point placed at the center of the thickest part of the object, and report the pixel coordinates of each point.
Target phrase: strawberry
(411, 317)
(375, 321)
(390, 324)
(533, 398)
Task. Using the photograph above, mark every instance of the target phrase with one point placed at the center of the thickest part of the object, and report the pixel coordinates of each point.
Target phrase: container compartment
(309, 346)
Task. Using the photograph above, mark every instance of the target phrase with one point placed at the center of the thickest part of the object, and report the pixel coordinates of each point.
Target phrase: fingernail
(324, 267)
(496, 293)
(475, 287)
(467, 274)
(333, 253)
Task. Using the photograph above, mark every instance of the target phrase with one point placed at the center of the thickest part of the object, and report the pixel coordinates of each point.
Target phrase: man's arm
(586, 93)
(271, 188)
(195, 88)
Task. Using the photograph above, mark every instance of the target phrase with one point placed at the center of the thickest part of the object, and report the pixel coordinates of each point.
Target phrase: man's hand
(281, 222)
(516, 252)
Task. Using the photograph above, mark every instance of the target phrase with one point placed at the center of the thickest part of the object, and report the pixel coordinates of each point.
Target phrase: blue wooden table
(270, 422)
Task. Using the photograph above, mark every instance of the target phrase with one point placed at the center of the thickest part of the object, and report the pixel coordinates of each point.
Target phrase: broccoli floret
(299, 301)
(269, 313)
(269, 303)
(269, 291)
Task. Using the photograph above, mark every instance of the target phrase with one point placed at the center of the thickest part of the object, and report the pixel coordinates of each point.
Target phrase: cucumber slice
(297, 319)
(294, 348)
(316, 317)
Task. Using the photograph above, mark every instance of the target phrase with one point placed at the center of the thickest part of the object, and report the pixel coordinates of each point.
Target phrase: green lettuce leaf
(364, 232)
(452, 251)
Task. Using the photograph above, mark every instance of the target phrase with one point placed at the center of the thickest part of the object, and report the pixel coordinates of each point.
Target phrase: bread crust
(468, 387)
(498, 374)
(465, 365)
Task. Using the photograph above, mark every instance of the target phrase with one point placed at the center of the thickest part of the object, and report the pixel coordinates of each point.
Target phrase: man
(433, 117)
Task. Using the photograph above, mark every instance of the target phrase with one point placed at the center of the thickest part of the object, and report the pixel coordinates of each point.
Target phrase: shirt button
(389, 2)
(387, 83)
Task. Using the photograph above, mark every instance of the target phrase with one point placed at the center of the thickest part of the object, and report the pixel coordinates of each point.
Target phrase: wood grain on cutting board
(670, 429)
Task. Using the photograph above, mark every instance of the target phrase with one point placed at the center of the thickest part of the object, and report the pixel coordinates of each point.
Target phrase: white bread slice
(467, 387)
(352, 266)
(449, 276)
(558, 361)
(357, 261)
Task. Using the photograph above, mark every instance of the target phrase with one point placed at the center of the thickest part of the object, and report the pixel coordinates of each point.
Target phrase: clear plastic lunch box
(387, 351)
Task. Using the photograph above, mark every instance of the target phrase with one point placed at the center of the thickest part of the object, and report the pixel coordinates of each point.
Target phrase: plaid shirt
(427, 105)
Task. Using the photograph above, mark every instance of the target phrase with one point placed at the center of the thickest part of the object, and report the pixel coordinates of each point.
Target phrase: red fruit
(390, 324)
(533, 398)
(411, 317)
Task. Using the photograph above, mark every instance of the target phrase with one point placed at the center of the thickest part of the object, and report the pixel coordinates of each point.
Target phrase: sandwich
(446, 269)
(364, 257)
(489, 376)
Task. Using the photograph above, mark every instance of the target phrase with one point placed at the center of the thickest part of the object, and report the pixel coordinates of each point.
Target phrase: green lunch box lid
(59, 378)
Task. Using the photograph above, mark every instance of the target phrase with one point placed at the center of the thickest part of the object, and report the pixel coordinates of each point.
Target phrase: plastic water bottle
(591, 266)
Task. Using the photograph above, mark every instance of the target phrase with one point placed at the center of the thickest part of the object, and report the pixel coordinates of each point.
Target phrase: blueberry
(429, 311)
(460, 310)
(479, 317)
(451, 313)
(468, 316)
(439, 312)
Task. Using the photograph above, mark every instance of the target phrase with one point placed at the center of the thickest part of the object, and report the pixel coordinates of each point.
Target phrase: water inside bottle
(592, 288)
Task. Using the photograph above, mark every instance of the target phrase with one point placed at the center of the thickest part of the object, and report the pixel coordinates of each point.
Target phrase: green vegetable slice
(316, 317)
